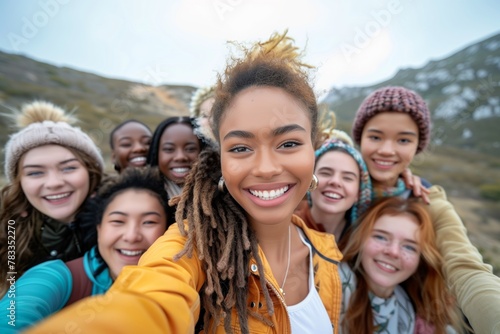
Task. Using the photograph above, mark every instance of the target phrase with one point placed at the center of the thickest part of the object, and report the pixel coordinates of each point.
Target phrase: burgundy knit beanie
(394, 99)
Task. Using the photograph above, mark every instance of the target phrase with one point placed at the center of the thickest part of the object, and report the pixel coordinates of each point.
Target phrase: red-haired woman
(392, 278)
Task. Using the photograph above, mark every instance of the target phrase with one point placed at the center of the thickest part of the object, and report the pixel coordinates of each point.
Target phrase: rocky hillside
(462, 90)
(463, 93)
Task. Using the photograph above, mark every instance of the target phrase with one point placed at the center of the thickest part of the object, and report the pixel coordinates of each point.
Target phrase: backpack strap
(82, 286)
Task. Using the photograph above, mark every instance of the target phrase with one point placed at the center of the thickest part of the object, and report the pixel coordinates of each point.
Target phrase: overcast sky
(184, 42)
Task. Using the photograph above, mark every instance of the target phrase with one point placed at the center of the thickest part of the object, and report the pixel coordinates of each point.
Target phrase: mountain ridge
(462, 158)
(462, 91)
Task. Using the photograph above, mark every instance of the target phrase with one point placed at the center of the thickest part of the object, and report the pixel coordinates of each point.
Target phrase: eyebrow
(407, 133)
(350, 173)
(387, 233)
(60, 163)
(328, 168)
(121, 213)
(287, 128)
(130, 137)
(276, 132)
(189, 142)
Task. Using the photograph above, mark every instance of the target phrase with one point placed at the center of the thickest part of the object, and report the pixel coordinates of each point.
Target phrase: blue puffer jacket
(45, 289)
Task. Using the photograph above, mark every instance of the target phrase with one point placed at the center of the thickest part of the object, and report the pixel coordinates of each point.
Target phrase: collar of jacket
(317, 240)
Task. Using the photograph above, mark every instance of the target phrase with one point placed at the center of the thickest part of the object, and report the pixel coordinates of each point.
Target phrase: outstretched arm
(472, 282)
(415, 183)
(39, 292)
(159, 295)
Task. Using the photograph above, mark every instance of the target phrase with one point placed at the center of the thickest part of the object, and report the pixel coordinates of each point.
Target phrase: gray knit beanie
(43, 123)
(394, 99)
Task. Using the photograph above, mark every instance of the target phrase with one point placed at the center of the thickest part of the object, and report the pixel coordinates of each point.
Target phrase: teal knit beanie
(365, 187)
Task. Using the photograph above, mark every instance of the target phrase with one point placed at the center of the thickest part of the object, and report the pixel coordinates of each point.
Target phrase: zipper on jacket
(280, 297)
(276, 292)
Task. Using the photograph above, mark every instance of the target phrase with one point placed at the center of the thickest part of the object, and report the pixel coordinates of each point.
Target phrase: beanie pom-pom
(199, 96)
(40, 111)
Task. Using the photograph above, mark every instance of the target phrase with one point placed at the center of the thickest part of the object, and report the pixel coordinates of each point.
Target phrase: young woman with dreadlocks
(240, 254)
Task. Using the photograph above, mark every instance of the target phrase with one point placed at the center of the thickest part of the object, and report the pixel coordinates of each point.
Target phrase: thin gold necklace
(288, 264)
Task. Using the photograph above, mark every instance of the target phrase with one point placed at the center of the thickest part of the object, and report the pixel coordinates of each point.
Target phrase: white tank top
(309, 316)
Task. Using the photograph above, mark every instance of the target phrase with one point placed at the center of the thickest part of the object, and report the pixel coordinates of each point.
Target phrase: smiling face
(391, 254)
(389, 142)
(54, 181)
(130, 145)
(267, 156)
(131, 223)
(338, 186)
(178, 150)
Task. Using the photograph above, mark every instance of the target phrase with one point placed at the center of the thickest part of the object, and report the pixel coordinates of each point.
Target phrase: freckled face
(267, 154)
(391, 254)
(389, 142)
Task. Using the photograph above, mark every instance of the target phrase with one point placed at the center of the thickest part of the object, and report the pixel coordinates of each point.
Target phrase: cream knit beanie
(198, 97)
(43, 123)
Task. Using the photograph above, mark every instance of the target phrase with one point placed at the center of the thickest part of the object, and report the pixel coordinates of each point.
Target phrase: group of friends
(246, 217)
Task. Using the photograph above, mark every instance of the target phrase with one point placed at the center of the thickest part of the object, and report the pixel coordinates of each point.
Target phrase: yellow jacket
(477, 290)
(161, 295)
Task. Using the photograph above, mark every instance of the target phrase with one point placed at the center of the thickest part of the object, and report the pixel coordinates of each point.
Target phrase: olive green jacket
(472, 282)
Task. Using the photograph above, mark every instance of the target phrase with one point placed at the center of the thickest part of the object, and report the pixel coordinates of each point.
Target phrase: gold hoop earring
(220, 186)
(314, 183)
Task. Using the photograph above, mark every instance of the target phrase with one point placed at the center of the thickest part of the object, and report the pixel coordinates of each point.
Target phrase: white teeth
(130, 253)
(59, 196)
(388, 266)
(384, 163)
(333, 195)
(269, 195)
(180, 170)
(138, 159)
